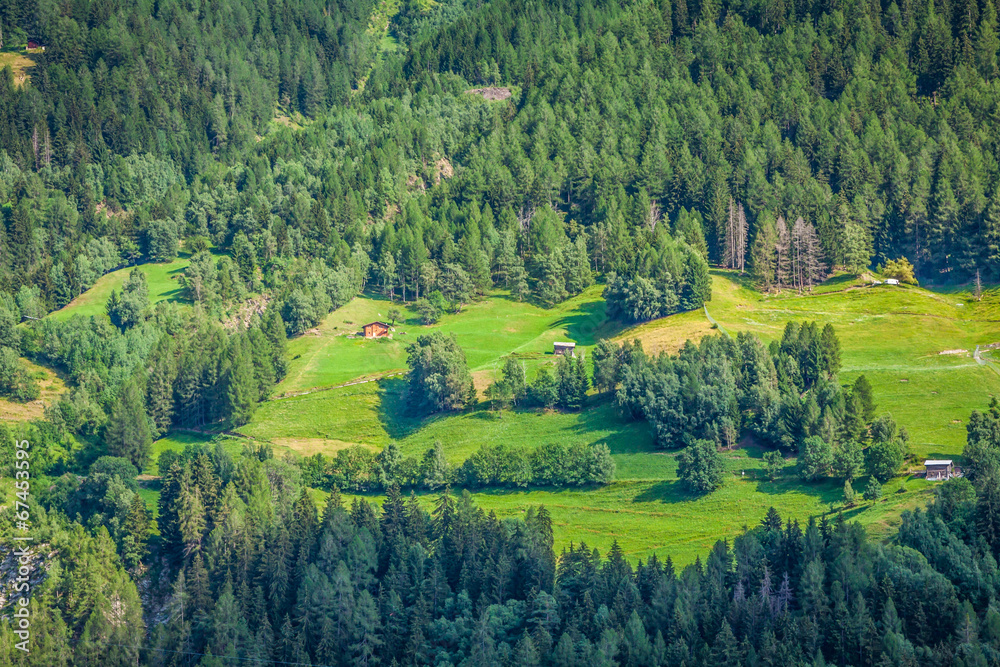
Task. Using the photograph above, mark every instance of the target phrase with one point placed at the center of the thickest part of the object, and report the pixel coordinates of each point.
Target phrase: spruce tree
(128, 434)
(242, 389)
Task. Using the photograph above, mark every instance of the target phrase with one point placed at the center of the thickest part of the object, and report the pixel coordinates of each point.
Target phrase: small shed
(376, 330)
(939, 469)
(891, 281)
(565, 349)
(34, 44)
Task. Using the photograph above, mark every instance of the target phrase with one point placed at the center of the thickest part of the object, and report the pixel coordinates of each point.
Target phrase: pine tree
(128, 433)
(987, 43)
(136, 531)
(242, 390)
(763, 255)
(191, 521)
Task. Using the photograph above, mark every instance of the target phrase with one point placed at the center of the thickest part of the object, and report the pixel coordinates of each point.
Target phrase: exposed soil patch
(443, 169)
(105, 208)
(491, 94)
(244, 314)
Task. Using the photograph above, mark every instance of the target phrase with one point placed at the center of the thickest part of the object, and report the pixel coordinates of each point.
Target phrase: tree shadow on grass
(627, 436)
(828, 491)
(588, 323)
(399, 421)
(666, 492)
(393, 411)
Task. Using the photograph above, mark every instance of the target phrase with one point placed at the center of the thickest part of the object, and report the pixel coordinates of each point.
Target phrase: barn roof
(565, 344)
(937, 462)
(371, 323)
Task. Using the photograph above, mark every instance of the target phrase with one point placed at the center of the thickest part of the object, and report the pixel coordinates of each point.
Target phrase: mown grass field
(163, 281)
(487, 331)
(894, 335)
(660, 517)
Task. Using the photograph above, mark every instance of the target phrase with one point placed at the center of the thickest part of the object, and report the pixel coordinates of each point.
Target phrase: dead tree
(734, 251)
(782, 250)
(742, 230)
(654, 216)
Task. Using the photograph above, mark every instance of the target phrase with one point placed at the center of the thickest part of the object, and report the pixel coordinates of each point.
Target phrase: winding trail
(316, 390)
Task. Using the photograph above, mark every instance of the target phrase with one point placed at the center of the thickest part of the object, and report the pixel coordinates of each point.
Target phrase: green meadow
(163, 280)
(893, 335)
(915, 346)
(487, 330)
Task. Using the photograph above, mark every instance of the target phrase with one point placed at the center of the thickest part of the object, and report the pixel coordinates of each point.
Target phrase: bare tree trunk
(34, 145)
(741, 238)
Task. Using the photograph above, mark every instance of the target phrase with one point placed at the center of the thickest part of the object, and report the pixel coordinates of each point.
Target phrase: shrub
(874, 490)
(700, 466)
(850, 496)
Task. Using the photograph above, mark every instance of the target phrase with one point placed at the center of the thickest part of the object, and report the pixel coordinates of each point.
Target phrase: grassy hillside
(895, 336)
(892, 335)
(163, 281)
(487, 330)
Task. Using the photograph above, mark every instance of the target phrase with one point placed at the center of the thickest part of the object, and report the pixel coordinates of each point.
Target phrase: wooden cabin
(938, 470)
(376, 330)
(564, 349)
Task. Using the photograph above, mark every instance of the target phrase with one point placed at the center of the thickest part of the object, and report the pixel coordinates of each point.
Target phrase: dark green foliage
(511, 388)
(848, 460)
(548, 465)
(873, 491)
(815, 458)
(572, 382)
(439, 375)
(883, 459)
(700, 466)
(721, 388)
(128, 434)
(290, 593)
(16, 381)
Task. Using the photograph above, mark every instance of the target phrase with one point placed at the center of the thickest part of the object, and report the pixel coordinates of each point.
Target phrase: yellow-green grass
(486, 330)
(20, 63)
(373, 414)
(151, 497)
(163, 281)
(647, 517)
(176, 442)
(892, 335)
(51, 386)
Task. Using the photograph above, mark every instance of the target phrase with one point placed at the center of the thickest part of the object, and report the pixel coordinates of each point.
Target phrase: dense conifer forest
(290, 155)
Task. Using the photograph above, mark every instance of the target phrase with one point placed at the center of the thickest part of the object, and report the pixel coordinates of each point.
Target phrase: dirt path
(316, 390)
